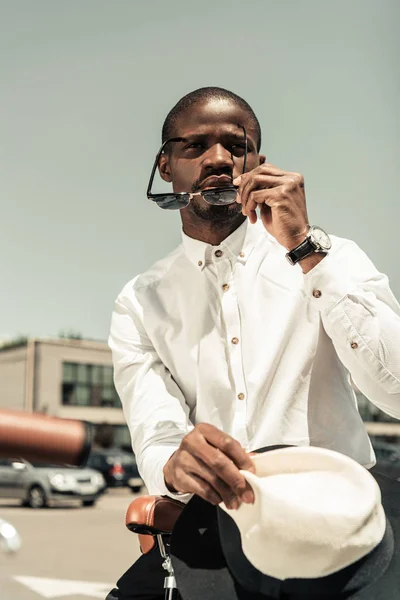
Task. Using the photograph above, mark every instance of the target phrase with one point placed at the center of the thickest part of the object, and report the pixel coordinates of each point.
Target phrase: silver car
(40, 485)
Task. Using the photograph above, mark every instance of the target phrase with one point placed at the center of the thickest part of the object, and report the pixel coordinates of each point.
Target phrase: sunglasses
(217, 196)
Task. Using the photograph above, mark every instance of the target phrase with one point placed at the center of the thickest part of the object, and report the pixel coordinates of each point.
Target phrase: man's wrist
(166, 473)
(311, 261)
(311, 250)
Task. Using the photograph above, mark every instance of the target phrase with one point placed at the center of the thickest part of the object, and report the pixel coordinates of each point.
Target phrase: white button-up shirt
(235, 336)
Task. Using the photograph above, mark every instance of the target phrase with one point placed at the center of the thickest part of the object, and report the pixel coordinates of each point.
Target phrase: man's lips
(216, 181)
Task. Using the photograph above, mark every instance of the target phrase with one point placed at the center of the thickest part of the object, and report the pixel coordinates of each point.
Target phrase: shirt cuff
(327, 283)
(158, 457)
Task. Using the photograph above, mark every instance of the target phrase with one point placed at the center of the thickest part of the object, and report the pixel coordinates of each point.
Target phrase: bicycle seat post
(169, 581)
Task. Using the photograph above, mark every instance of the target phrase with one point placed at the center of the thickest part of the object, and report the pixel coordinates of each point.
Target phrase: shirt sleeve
(153, 404)
(362, 317)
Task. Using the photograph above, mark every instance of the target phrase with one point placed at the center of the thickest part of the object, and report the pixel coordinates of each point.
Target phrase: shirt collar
(238, 245)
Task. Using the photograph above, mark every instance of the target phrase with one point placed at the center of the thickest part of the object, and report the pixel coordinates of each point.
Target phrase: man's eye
(238, 148)
(194, 145)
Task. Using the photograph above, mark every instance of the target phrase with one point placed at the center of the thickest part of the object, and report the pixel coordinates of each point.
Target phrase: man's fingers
(252, 216)
(266, 168)
(208, 463)
(271, 169)
(256, 198)
(257, 181)
(222, 466)
(228, 496)
(192, 466)
(226, 480)
(224, 456)
(228, 446)
(194, 484)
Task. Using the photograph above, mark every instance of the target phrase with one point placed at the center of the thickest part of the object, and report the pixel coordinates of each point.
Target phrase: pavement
(68, 552)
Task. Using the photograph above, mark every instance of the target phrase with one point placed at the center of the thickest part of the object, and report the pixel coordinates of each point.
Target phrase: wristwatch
(317, 240)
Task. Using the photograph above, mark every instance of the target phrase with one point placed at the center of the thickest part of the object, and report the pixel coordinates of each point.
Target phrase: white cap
(315, 512)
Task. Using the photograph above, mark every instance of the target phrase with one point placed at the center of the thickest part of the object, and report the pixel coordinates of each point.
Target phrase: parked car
(39, 485)
(118, 468)
(387, 459)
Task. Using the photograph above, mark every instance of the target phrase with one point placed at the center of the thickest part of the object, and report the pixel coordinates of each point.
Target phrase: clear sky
(85, 86)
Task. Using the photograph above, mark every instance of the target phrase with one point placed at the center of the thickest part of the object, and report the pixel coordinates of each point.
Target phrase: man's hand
(281, 198)
(207, 463)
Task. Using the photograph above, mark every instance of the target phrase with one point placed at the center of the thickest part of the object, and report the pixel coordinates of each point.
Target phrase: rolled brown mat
(38, 437)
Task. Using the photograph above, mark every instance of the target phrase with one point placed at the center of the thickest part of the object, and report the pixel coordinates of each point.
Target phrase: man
(248, 333)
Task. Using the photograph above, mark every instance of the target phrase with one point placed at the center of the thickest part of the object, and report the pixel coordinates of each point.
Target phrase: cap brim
(206, 550)
(344, 584)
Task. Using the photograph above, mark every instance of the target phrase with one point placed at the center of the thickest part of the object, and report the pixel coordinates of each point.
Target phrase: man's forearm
(361, 316)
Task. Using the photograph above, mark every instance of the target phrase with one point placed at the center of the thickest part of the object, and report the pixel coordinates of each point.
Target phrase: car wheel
(89, 502)
(136, 489)
(36, 497)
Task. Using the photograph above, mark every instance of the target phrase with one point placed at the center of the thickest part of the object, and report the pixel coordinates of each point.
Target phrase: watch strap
(301, 251)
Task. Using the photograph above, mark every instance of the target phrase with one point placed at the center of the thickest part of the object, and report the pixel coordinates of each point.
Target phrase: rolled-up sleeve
(153, 404)
(362, 317)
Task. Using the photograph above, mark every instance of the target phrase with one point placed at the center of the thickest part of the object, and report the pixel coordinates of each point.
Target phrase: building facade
(70, 378)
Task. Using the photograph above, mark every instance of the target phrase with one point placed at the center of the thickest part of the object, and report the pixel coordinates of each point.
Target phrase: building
(70, 378)
(73, 378)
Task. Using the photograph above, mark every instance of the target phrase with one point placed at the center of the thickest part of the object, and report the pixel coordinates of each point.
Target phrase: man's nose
(218, 157)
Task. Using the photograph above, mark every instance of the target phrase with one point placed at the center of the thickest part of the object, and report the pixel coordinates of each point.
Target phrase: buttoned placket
(225, 267)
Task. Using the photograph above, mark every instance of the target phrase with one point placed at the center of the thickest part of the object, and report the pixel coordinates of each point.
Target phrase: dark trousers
(144, 580)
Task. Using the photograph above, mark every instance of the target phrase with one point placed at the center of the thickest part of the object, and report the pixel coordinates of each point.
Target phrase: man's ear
(262, 158)
(164, 169)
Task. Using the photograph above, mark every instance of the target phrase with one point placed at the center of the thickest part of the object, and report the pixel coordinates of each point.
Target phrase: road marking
(56, 588)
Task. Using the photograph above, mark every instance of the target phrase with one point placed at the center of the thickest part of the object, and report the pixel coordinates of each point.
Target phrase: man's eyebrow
(231, 135)
(194, 136)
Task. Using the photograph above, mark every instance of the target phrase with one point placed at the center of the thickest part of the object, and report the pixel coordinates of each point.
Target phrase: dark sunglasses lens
(221, 196)
(172, 201)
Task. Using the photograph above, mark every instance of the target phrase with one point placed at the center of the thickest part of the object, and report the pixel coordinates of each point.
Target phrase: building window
(88, 385)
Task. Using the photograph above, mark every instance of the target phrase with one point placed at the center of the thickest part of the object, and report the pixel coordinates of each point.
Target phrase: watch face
(320, 238)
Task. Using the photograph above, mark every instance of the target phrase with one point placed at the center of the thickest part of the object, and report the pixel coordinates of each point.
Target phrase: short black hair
(207, 93)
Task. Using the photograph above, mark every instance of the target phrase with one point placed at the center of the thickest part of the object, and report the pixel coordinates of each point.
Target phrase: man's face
(212, 154)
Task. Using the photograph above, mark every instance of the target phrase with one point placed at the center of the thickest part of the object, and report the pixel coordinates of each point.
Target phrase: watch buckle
(290, 261)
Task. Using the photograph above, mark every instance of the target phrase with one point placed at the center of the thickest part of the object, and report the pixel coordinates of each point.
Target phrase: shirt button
(354, 345)
(235, 340)
(225, 287)
(241, 254)
(241, 396)
(218, 253)
(317, 293)
(200, 263)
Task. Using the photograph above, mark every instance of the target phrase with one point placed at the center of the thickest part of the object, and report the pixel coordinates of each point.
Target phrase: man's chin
(218, 214)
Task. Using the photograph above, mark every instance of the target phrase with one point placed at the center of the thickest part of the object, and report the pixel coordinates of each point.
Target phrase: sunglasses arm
(157, 160)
